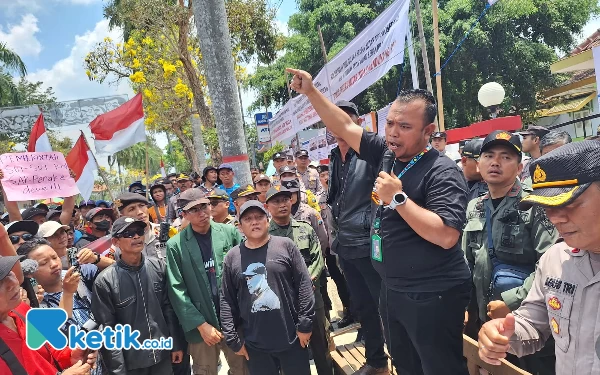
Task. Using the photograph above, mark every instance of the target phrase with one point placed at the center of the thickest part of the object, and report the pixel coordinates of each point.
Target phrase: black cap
(287, 169)
(53, 213)
(158, 185)
(99, 210)
(292, 185)
(243, 191)
(7, 263)
(126, 199)
(562, 175)
(538, 131)
(251, 205)
(349, 106)
(31, 212)
(218, 194)
(121, 224)
(278, 155)
(42, 206)
(206, 170)
(502, 137)
(289, 157)
(323, 168)
(87, 203)
(28, 226)
(300, 153)
(472, 149)
(438, 135)
(273, 192)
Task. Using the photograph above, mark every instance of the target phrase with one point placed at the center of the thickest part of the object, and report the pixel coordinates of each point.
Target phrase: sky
(53, 37)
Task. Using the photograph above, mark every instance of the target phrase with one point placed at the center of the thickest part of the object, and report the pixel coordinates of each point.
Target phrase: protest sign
(36, 175)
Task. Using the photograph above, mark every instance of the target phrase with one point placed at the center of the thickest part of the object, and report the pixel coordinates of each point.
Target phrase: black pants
(183, 368)
(338, 278)
(364, 284)
(319, 344)
(162, 367)
(293, 361)
(424, 330)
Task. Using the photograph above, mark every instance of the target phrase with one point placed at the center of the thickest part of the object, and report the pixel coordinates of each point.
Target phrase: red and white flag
(162, 168)
(120, 128)
(81, 161)
(38, 139)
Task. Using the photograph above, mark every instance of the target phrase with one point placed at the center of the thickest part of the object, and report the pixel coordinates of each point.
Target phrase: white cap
(49, 228)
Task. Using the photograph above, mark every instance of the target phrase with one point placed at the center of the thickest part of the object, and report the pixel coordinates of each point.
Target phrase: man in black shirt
(421, 198)
(267, 295)
(100, 220)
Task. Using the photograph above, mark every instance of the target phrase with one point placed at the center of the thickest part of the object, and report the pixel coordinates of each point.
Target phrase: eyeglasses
(132, 233)
(14, 239)
(196, 209)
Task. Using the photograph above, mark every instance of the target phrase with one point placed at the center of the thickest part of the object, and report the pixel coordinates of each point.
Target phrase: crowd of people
(421, 248)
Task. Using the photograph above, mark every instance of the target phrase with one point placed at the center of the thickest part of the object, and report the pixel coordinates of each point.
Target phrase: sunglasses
(14, 239)
(132, 233)
(215, 202)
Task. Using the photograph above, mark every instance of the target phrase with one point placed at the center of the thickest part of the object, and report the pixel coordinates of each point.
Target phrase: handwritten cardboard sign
(36, 175)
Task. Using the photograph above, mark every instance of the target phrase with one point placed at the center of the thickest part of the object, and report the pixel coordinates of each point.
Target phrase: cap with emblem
(472, 148)
(191, 198)
(504, 138)
(243, 191)
(261, 177)
(273, 192)
(348, 106)
(7, 263)
(250, 206)
(287, 169)
(278, 156)
(301, 153)
(289, 157)
(291, 185)
(99, 210)
(439, 135)
(126, 199)
(123, 223)
(218, 194)
(562, 175)
(183, 177)
(538, 131)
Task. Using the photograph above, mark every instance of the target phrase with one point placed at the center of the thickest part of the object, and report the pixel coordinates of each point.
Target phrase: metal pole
(323, 50)
(99, 169)
(438, 76)
(423, 46)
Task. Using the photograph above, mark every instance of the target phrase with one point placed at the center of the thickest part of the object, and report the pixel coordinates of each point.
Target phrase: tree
(10, 62)
(59, 144)
(514, 44)
(175, 158)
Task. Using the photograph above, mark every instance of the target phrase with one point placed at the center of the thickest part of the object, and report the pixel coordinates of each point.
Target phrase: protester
(173, 178)
(194, 267)
(267, 295)
(438, 141)
(209, 179)
(553, 140)
(168, 187)
(566, 184)
(279, 161)
(279, 205)
(302, 211)
(184, 183)
(219, 201)
(323, 171)
(134, 292)
(415, 245)
(86, 206)
(531, 145)
(308, 176)
(100, 221)
(226, 176)
(470, 155)
(21, 231)
(158, 211)
(262, 184)
(499, 239)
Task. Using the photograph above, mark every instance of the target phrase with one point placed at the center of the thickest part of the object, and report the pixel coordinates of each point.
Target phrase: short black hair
(553, 137)
(409, 96)
(31, 245)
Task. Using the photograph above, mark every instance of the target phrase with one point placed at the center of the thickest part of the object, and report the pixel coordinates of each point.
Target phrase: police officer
(184, 182)
(532, 138)
(278, 162)
(279, 205)
(306, 196)
(308, 176)
(502, 243)
(438, 141)
(563, 301)
(470, 154)
(219, 202)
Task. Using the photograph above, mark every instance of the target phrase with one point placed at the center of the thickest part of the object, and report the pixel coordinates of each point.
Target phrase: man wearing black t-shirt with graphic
(421, 196)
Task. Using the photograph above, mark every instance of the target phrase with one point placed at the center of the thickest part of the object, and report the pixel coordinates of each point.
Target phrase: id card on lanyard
(376, 242)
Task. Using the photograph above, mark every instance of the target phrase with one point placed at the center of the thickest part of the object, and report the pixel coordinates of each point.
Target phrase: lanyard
(413, 161)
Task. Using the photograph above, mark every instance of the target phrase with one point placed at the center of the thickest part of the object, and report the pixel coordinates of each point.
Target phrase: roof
(567, 106)
(591, 42)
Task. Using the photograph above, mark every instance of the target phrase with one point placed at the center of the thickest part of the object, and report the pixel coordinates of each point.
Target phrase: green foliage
(134, 157)
(64, 144)
(268, 155)
(175, 158)
(10, 62)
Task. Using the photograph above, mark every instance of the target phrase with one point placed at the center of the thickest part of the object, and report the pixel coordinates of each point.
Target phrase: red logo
(575, 251)
(554, 303)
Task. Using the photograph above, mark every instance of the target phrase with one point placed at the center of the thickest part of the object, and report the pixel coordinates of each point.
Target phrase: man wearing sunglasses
(21, 231)
(134, 292)
(219, 202)
(194, 266)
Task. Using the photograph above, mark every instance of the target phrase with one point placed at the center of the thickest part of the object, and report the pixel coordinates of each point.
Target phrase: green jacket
(188, 285)
(519, 237)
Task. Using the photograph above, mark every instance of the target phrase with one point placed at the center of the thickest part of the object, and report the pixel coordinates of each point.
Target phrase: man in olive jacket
(194, 266)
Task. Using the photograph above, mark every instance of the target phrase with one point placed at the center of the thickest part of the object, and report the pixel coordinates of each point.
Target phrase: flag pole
(100, 172)
(147, 172)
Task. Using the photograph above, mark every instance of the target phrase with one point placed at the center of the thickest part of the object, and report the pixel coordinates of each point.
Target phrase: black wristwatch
(97, 259)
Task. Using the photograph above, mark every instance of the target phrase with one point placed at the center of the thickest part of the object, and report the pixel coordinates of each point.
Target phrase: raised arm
(7, 249)
(336, 120)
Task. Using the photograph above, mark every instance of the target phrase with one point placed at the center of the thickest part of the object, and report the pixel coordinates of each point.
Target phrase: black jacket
(136, 296)
(352, 218)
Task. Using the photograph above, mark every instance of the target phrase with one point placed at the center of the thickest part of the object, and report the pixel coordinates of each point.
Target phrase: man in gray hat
(308, 176)
(563, 300)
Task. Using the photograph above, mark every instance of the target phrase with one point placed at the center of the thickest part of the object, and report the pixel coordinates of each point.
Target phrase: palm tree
(11, 62)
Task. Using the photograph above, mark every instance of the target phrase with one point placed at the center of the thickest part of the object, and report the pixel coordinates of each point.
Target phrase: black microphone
(29, 266)
(388, 162)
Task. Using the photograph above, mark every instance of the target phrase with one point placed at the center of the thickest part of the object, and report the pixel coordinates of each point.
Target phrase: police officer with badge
(502, 243)
(278, 163)
(306, 195)
(308, 176)
(279, 205)
(563, 300)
